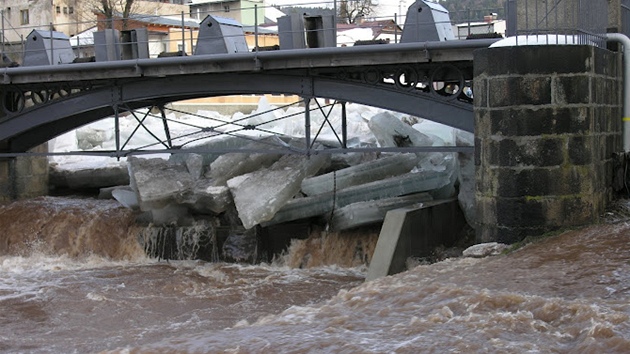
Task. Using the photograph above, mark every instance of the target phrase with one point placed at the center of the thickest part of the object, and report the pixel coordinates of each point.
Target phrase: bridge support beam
(24, 177)
(547, 125)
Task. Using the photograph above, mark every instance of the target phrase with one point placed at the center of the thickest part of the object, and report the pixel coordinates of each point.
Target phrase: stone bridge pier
(548, 123)
(24, 177)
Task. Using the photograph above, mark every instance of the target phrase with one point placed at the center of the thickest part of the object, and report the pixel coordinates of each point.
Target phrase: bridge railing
(179, 31)
(572, 21)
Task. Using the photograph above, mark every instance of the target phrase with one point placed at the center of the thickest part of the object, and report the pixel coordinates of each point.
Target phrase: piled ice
(274, 181)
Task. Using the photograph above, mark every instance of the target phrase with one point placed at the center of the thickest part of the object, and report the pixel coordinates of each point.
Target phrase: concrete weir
(414, 231)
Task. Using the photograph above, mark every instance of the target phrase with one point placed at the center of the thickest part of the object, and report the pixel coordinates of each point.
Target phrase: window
(226, 8)
(58, 9)
(65, 10)
(71, 10)
(24, 17)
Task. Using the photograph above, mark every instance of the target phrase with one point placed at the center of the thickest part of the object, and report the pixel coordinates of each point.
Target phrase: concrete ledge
(414, 231)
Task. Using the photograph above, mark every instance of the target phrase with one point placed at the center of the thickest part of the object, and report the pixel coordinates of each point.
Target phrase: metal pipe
(625, 41)
(274, 54)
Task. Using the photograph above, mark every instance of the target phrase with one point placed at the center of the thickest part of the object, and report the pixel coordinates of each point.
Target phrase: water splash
(347, 249)
(74, 227)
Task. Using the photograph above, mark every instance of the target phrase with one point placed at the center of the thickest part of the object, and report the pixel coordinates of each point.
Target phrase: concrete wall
(24, 177)
(548, 120)
(414, 231)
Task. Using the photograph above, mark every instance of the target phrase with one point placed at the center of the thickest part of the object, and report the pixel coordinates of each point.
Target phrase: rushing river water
(74, 280)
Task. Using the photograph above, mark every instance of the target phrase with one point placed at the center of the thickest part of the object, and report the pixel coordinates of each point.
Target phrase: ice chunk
(205, 198)
(485, 249)
(466, 177)
(169, 214)
(392, 132)
(339, 161)
(89, 177)
(409, 183)
(259, 195)
(365, 213)
(157, 182)
(234, 164)
(127, 197)
(215, 145)
(194, 164)
(89, 137)
(385, 167)
(443, 132)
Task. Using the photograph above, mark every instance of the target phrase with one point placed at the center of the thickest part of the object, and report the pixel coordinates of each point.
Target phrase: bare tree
(349, 11)
(117, 10)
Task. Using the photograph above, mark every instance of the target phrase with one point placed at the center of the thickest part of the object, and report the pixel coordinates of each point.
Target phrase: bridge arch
(38, 124)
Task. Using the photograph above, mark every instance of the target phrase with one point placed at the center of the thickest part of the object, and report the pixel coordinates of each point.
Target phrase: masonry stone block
(519, 90)
(4, 171)
(606, 64)
(571, 89)
(516, 61)
(479, 148)
(606, 91)
(539, 182)
(480, 88)
(538, 121)
(39, 166)
(571, 210)
(483, 127)
(541, 151)
(581, 149)
(486, 211)
(518, 212)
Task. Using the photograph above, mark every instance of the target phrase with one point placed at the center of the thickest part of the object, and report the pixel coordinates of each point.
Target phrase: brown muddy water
(73, 279)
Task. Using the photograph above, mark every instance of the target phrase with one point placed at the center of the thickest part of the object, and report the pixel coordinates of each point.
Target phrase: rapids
(74, 280)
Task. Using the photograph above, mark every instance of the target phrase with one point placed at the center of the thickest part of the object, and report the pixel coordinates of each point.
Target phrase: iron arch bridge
(431, 80)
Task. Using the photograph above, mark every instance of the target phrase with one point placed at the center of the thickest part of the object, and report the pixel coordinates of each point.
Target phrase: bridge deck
(41, 102)
(436, 52)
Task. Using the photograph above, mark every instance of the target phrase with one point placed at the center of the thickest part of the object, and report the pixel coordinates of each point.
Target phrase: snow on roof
(85, 38)
(165, 20)
(541, 39)
(435, 6)
(350, 36)
(49, 34)
(272, 14)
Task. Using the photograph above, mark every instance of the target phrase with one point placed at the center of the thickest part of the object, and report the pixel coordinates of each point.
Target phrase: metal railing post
(307, 124)
(335, 21)
(183, 35)
(192, 43)
(52, 43)
(3, 38)
(395, 28)
(344, 126)
(256, 27)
